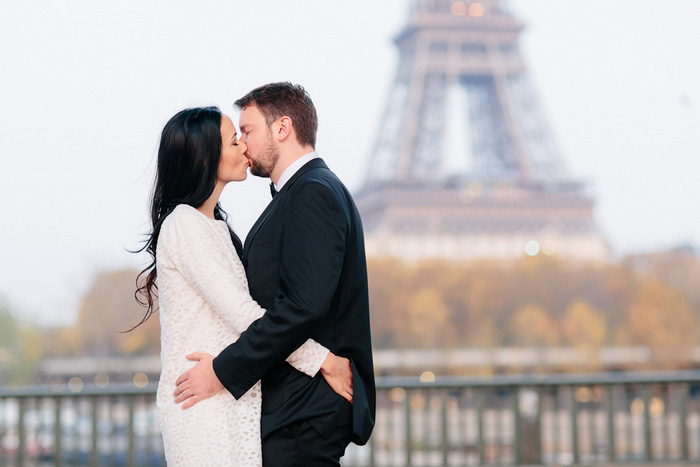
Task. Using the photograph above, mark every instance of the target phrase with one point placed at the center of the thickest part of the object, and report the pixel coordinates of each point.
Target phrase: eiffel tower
(464, 166)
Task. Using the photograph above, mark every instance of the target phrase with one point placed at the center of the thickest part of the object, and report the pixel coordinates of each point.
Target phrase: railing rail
(598, 418)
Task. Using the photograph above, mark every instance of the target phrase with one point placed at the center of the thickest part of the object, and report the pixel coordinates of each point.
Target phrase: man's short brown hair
(276, 100)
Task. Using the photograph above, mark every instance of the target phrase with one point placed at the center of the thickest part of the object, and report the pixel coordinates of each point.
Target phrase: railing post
(573, 416)
(610, 409)
(540, 438)
(667, 390)
(58, 434)
(683, 420)
(558, 432)
(445, 443)
(479, 396)
(94, 452)
(646, 397)
(407, 405)
(517, 426)
(22, 404)
(131, 459)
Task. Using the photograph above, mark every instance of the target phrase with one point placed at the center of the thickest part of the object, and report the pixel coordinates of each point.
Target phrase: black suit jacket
(305, 262)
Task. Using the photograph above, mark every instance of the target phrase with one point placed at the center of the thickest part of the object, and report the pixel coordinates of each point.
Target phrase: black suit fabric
(305, 263)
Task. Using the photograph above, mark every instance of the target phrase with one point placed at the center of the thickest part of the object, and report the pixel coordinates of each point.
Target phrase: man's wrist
(327, 363)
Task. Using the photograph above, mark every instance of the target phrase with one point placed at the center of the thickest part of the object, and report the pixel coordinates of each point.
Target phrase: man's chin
(259, 173)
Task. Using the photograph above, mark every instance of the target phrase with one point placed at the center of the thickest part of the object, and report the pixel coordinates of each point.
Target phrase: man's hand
(337, 371)
(199, 383)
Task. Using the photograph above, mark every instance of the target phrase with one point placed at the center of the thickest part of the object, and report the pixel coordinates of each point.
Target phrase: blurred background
(87, 87)
(531, 210)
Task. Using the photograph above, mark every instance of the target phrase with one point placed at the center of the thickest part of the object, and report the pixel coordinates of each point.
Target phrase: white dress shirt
(293, 168)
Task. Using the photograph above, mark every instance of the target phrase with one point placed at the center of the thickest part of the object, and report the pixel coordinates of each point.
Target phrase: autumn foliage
(651, 300)
(541, 302)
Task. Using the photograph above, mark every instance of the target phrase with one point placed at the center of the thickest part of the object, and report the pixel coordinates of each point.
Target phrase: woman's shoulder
(183, 214)
(183, 220)
(185, 211)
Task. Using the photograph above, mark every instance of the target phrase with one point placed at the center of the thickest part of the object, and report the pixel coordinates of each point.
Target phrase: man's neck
(286, 159)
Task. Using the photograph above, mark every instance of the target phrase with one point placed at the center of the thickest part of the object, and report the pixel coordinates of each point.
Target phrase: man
(305, 263)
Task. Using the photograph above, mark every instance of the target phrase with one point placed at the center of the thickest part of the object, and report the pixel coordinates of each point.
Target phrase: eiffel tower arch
(464, 165)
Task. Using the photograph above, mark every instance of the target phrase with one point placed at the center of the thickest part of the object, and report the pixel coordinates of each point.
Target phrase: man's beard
(265, 164)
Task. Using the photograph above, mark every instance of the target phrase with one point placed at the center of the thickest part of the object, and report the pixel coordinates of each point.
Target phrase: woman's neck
(207, 208)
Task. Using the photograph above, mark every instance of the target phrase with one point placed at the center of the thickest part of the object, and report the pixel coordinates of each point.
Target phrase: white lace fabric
(205, 306)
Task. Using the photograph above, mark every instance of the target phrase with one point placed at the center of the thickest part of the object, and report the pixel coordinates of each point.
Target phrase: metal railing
(601, 418)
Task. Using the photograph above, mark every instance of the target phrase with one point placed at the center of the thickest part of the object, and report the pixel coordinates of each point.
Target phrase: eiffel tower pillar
(463, 164)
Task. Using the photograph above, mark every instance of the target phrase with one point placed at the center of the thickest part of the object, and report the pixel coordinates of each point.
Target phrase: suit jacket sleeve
(313, 249)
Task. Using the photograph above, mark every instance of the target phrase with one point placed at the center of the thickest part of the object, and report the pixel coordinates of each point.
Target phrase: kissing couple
(278, 329)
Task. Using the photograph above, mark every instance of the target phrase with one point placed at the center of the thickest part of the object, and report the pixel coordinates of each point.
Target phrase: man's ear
(282, 128)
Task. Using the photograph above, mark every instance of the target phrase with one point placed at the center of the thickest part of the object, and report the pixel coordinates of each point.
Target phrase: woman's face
(234, 164)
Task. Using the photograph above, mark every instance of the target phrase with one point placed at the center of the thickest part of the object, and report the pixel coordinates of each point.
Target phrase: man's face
(262, 150)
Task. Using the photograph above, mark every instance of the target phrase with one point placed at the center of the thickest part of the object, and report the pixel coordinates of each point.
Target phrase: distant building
(464, 166)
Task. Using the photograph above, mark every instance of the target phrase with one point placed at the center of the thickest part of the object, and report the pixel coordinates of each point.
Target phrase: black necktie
(273, 192)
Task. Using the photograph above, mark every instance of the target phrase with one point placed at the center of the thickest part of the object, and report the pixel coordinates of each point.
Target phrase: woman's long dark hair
(188, 165)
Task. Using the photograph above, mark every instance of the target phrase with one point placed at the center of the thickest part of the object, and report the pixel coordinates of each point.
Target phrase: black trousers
(300, 445)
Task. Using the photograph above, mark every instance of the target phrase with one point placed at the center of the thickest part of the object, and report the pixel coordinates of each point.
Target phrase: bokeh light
(397, 394)
(427, 377)
(549, 247)
(476, 10)
(75, 384)
(532, 248)
(140, 380)
(101, 380)
(459, 9)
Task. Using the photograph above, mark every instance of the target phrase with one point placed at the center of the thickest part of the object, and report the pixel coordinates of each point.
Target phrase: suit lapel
(312, 164)
(261, 220)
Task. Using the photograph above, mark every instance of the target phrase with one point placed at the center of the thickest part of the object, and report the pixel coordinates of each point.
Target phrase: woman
(203, 292)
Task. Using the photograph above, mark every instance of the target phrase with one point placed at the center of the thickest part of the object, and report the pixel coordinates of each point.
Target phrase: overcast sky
(86, 86)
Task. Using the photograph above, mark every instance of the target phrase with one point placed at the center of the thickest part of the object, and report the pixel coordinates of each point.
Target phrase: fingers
(182, 378)
(183, 396)
(347, 396)
(191, 401)
(195, 357)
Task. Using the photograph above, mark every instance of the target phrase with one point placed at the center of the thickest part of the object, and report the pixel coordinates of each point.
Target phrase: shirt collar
(293, 168)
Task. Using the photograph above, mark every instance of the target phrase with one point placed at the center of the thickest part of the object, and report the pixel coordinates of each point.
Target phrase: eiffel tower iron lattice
(464, 165)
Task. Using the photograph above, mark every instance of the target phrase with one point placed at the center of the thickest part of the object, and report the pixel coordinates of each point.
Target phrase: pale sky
(86, 86)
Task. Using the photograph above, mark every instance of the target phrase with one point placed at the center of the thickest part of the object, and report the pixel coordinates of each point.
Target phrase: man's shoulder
(319, 173)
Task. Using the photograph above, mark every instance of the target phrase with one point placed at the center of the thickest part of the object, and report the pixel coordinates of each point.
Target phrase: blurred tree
(22, 345)
(108, 308)
(660, 318)
(426, 323)
(9, 346)
(386, 278)
(531, 326)
(540, 300)
(584, 326)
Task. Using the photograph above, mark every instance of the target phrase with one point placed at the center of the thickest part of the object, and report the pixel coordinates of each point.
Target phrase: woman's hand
(337, 371)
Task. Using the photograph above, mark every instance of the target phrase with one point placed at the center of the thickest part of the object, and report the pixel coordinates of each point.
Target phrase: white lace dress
(204, 307)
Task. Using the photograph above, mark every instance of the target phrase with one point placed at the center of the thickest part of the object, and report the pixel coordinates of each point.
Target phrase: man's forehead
(249, 115)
